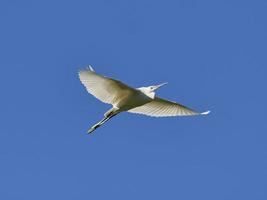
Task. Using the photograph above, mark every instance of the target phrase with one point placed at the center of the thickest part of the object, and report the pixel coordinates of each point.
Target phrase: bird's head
(150, 90)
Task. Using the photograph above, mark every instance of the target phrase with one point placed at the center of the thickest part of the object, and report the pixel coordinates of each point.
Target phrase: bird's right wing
(103, 88)
(164, 108)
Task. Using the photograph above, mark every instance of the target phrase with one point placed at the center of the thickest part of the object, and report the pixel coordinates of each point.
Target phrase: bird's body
(125, 98)
(135, 99)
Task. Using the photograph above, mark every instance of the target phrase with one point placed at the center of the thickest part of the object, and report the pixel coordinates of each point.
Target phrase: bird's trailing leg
(97, 125)
(108, 115)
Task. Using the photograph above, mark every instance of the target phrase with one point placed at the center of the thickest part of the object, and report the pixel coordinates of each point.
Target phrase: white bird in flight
(125, 98)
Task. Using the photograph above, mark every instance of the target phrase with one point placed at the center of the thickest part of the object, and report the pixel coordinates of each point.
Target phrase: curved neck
(151, 95)
(147, 93)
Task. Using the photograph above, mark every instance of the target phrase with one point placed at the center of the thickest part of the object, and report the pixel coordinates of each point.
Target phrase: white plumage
(125, 98)
(164, 108)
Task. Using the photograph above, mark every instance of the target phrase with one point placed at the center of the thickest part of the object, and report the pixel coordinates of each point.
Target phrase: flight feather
(164, 108)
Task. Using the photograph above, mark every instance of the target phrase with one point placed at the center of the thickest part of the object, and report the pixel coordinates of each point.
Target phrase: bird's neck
(149, 94)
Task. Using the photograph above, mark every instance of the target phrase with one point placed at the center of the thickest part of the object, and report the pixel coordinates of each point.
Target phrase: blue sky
(212, 53)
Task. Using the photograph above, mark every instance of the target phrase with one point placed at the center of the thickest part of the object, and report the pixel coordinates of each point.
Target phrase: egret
(125, 98)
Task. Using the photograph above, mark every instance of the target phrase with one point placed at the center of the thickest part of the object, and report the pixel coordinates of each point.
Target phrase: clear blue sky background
(212, 53)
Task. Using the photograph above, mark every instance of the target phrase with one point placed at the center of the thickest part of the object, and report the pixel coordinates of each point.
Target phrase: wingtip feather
(91, 68)
(205, 113)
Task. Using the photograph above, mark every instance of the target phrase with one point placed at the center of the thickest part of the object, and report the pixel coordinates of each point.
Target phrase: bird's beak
(160, 85)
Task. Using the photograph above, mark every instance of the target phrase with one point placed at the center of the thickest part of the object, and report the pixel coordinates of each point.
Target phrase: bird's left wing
(164, 108)
(103, 88)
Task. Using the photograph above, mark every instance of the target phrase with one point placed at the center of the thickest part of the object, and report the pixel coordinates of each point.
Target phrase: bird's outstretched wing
(103, 88)
(164, 108)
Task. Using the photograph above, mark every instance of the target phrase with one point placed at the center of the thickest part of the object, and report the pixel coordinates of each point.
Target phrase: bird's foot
(90, 130)
(93, 128)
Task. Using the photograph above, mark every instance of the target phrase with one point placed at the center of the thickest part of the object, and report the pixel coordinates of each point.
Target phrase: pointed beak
(160, 85)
